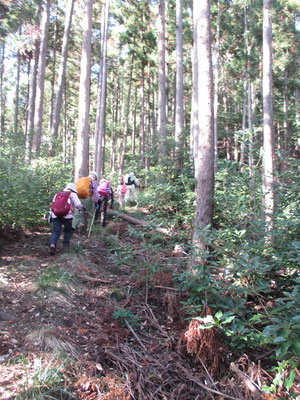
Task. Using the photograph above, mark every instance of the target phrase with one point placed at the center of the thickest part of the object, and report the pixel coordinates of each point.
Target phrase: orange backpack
(83, 187)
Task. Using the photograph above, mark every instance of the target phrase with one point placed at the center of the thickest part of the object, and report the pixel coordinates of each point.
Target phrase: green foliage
(251, 284)
(14, 15)
(54, 279)
(47, 379)
(169, 196)
(124, 316)
(26, 192)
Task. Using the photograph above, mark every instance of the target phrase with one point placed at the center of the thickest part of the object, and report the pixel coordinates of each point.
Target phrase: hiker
(131, 183)
(88, 195)
(121, 191)
(61, 213)
(105, 192)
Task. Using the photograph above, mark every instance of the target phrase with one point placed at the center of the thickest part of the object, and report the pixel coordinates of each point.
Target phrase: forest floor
(101, 321)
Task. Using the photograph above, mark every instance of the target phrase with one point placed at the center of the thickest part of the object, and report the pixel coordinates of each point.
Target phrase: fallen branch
(164, 287)
(96, 280)
(195, 380)
(248, 382)
(118, 359)
(135, 335)
(136, 221)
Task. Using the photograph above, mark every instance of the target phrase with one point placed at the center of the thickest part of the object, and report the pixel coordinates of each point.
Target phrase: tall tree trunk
(246, 78)
(179, 77)
(82, 144)
(31, 98)
(268, 139)
(100, 117)
(162, 94)
(65, 126)
(297, 152)
(287, 131)
(61, 76)
(142, 116)
(250, 145)
(203, 121)
(2, 54)
(133, 136)
(216, 89)
(125, 134)
(117, 111)
(39, 99)
(149, 123)
(236, 143)
(154, 124)
(16, 100)
(53, 72)
(113, 111)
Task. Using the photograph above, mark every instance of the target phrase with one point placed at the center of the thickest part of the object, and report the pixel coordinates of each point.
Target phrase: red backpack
(104, 188)
(123, 189)
(61, 204)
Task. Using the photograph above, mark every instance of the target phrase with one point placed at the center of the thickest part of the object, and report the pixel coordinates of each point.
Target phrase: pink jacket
(75, 203)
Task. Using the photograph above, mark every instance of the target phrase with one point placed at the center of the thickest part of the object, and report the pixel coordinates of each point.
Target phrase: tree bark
(136, 221)
(82, 144)
(2, 54)
(179, 77)
(31, 98)
(16, 100)
(162, 95)
(268, 130)
(61, 77)
(53, 72)
(296, 77)
(203, 121)
(100, 117)
(40, 87)
(133, 135)
(125, 133)
(287, 130)
(142, 116)
(216, 89)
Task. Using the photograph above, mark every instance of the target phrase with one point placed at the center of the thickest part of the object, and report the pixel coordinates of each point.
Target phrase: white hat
(131, 173)
(93, 175)
(71, 186)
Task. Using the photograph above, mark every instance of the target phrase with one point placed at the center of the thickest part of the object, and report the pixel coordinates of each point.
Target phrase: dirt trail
(97, 316)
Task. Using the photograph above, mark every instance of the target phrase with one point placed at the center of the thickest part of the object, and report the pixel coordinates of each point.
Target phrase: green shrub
(26, 192)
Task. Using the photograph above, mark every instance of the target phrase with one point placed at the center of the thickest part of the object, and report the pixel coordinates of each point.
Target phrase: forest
(191, 291)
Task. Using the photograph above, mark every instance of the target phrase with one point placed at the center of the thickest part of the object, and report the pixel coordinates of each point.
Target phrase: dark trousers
(103, 201)
(56, 230)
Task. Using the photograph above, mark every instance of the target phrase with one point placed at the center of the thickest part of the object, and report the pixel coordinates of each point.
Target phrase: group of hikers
(90, 195)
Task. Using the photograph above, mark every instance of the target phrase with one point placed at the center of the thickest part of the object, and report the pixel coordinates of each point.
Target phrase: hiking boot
(52, 248)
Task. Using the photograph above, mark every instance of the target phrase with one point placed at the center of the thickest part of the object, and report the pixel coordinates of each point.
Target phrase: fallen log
(95, 280)
(136, 221)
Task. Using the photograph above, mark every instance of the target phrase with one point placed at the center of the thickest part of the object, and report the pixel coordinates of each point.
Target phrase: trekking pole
(92, 223)
(78, 243)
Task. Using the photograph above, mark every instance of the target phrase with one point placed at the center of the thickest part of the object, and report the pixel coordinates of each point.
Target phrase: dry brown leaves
(106, 388)
(205, 345)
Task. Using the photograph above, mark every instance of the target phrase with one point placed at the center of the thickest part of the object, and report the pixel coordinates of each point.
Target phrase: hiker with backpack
(105, 193)
(121, 191)
(87, 192)
(61, 213)
(131, 183)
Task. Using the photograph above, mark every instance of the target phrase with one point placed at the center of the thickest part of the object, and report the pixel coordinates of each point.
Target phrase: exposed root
(205, 345)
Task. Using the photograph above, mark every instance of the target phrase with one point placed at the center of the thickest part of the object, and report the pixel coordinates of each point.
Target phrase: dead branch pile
(154, 368)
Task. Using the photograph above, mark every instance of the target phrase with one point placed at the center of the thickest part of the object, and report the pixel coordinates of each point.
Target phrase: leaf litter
(111, 332)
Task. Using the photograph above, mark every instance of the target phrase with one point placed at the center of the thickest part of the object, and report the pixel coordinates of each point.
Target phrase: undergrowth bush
(250, 283)
(169, 196)
(26, 192)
